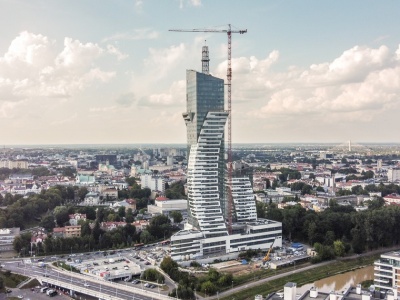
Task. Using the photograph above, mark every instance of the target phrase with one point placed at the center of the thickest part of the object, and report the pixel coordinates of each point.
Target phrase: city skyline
(111, 73)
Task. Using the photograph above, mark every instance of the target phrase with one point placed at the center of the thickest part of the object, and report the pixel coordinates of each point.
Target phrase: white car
(86, 284)
(20, 297)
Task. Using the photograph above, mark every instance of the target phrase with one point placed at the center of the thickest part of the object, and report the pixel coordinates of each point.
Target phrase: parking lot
(118, 265)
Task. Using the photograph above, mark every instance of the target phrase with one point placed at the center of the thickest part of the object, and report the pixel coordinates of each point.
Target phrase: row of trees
(357, 231)
(93, 237)
(382, 188)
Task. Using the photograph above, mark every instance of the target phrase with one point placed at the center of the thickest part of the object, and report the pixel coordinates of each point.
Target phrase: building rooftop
(395, 254)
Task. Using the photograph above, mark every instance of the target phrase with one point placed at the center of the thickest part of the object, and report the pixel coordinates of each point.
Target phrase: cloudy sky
(74, 71)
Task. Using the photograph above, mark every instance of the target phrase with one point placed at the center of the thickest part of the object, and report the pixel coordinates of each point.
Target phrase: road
(66, 279)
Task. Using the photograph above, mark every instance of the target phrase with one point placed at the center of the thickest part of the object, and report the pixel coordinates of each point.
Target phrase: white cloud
(34, 67)
(113, 50)
(174, 96)
(362, 79)
(163, 60)
(77, 54)
(137, 34)
(195, 2)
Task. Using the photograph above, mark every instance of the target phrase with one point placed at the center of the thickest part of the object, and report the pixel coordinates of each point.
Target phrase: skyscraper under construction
(206, 229)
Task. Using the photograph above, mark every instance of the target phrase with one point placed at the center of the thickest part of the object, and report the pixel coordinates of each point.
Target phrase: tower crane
(229, 32)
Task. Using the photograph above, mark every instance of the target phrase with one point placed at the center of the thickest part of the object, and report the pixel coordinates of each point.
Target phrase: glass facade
(205, 120)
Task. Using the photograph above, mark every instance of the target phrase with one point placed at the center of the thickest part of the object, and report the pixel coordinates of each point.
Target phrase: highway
(84, 284)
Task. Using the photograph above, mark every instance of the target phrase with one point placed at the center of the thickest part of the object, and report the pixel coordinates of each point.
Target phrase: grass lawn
(11, 280)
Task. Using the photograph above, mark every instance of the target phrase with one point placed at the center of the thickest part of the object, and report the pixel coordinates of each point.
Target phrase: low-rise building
(108, 226)
(110, 193)
(74, 218)
(67, 231)
(7, 236)
(91, 199)
(392, 199)
(164, 206)
(260, 234)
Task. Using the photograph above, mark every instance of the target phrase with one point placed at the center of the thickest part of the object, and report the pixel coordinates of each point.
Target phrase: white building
(74, 218)
(7, 236)
(203, 180)
(386, 271)
(170, 160)
(165, 206)
(11, 164)
(91, 199)
(393, 174)
(189, 244)
(243, 199)
(154, 183)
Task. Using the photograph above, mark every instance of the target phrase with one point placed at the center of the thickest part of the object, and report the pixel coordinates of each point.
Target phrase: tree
(176, 191)
(121, 211)
(339, 248)
(169, 266)
(130, 181)
(358, 240)
(146, 237)
(82, 193)
(261, 210)
(61, 215)
(48, 222)
(208, 288)
(177, 216)
(153, 275)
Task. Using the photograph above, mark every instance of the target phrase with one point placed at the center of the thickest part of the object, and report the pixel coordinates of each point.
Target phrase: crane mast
(229, 32)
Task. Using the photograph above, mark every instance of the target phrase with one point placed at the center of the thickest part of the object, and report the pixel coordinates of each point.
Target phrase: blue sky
(111, 72)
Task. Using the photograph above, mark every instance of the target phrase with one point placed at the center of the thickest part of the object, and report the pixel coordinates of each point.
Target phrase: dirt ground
(238, 269)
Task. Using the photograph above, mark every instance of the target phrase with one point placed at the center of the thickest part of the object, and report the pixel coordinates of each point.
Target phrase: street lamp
(232, 284)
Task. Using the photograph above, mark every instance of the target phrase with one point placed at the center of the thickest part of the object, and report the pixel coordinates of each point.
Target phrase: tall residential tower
(206, 229)
(205, 120)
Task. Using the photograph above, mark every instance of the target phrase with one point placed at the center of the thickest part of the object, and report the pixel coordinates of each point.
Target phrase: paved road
(109, 289)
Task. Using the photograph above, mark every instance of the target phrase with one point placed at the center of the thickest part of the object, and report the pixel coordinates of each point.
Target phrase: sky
(111, 72)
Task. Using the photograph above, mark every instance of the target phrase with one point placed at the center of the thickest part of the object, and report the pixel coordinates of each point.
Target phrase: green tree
(47, 222)
(146, 237)
(82, 193)
(177, 216)
(208, 288)
(261, 210)
(130, 181)
(61, 215)
(339, 248)
(121, 211)
(153, 275)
